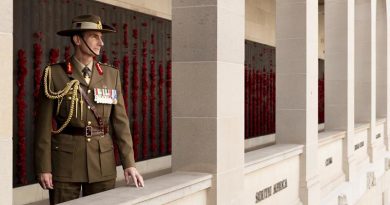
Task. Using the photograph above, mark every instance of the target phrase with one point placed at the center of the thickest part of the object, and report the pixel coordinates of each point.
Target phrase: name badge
(105, 96)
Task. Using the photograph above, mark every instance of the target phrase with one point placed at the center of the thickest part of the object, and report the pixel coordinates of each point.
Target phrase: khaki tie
(87, 74)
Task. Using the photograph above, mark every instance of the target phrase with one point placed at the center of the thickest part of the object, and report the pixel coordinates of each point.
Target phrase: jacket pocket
(107, 157)
(62, 158)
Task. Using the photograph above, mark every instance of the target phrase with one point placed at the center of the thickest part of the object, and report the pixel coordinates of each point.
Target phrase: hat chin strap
(82, 38)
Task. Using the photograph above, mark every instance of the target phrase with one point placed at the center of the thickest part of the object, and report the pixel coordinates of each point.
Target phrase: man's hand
(45, 180)
(133, 173)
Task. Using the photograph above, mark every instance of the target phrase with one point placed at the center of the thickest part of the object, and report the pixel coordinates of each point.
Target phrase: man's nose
(101, 43)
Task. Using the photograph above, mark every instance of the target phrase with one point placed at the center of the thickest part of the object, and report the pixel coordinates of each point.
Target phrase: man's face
(94, 39)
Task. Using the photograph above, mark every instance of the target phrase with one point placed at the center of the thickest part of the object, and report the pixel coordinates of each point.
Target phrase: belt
(88, 131)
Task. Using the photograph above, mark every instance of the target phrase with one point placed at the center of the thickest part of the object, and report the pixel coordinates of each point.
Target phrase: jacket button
(88, 139)
(89, 91)
(89, 122)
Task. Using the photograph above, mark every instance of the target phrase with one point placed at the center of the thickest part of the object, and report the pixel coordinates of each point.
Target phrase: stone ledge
(360, 126)
(333, 184)
(151, 168)
(157, 190)
(259, 142)
(267, 156)
(262, 141)
(380, 121)
(329, 136)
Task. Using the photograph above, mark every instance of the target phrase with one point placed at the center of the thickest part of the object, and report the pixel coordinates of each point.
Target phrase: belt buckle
(88, 131)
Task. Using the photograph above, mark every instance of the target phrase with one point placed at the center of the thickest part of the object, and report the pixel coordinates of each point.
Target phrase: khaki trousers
(66, 191)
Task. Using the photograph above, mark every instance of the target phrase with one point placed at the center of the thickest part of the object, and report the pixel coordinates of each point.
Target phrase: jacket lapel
(76, 74)
(96, 77)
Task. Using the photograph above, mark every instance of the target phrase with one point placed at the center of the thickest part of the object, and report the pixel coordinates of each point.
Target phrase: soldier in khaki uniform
(84, 98)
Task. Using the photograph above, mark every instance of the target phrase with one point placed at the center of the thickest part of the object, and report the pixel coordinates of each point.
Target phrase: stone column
(365, 68)
(297, 87)
(339, 73)
(387, 126)
(381, 63)
(208, 93)
(386, 197)
(6, 83)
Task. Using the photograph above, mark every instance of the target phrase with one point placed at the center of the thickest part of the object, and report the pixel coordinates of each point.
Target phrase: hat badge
(99, 25)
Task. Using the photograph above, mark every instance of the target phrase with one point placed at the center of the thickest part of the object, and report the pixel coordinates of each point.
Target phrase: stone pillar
(339, 73)
(208, 93)
(387, 125)
(297, 87)
(386, 197)
(6, 84)
(381, 63)
(365, 68)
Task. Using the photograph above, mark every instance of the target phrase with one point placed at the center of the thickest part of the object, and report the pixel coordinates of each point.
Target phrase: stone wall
(6, 48)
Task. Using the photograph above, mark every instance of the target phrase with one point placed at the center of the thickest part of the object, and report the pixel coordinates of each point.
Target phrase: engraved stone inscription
(343, 199)
(280, 186)
(387, 164)
(268, 191)
(328, 161)
(359, 145)
(263, 194)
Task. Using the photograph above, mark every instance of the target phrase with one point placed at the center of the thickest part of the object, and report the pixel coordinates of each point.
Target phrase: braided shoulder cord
(71, 85)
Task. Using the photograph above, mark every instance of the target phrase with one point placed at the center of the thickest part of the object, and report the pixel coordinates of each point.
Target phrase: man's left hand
(133, 173)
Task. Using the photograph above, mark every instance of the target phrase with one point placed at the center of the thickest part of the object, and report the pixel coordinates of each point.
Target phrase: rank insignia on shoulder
(105, 96)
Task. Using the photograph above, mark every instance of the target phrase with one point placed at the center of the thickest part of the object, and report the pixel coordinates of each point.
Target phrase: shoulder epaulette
(57, 63)
(108, 65)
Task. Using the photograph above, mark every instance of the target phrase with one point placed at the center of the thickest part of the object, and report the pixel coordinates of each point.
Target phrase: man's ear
(76, 40)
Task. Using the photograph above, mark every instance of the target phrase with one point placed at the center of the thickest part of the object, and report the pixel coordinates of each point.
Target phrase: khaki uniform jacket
(73, 158)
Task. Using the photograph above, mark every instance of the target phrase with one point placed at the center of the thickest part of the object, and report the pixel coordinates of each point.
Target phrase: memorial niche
(260, 89)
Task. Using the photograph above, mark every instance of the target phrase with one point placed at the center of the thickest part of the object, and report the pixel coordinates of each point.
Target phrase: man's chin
(95, 53)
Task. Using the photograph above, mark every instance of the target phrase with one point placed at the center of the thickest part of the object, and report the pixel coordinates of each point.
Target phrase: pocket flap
(105, 144)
